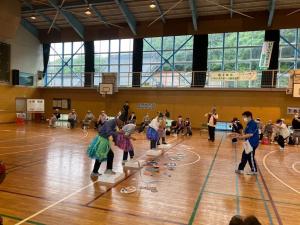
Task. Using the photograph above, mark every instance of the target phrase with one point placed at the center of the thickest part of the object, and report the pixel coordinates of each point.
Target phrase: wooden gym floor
(48, 182)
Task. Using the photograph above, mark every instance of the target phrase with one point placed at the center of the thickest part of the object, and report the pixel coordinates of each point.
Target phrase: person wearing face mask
(152, 132)
(212, 118)
(283, 133)
(251, 135)
(72, 118)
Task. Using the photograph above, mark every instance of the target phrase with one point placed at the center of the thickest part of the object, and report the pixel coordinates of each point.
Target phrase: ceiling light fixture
(152, 5)
(88, 12)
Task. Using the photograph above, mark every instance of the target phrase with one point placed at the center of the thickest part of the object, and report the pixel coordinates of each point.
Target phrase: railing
(183, 79)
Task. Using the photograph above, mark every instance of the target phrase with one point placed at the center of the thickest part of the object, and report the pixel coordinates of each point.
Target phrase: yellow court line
(272, 174)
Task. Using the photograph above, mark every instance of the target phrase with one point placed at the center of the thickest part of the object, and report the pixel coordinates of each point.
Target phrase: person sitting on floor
(188, 127)
(180, 125)
(283, 133)
(52, 121)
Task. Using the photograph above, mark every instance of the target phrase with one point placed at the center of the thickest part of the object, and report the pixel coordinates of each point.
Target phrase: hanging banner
(266, 53)
(293, 110)
(233, 75)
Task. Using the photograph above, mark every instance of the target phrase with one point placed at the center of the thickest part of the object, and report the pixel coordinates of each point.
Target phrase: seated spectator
(296, 122)
(52, 120)
(132, 118)
(72, 118)
(101, 119)
(57, 114)
(236, 126)
(173, 128)
(88, 119)
(180, 125)
(188, 127)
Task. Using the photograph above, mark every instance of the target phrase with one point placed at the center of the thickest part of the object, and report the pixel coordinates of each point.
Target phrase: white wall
(26, 52)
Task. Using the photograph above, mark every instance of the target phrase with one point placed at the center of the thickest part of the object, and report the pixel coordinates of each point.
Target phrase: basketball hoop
(105, 89)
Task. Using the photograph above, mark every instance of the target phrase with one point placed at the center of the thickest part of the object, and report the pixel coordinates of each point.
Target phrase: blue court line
(237, 184)
(20, 219)
(196, 206)
(265, 202)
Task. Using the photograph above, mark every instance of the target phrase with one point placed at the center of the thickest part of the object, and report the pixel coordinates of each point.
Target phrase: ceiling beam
(46, 18)
(29, 27)
(194, 13)
(70, 18)
(231, 6)
(128, 15)
(160, 11)
(271, 12)
(99, 16)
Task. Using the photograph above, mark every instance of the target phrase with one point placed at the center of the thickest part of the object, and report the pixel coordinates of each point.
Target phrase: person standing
(100, 149)
(212, 118)
(132, 118)
(152, 132)
(57, 114)
(167, 114)
(251, 137)
(125, 110)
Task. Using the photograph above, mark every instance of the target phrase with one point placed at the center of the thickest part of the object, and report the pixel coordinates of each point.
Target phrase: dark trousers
(72, 123)
(125, 155)
(280, 141)
(109, 166)
(153, 144)
(211, 133)
(250, 158)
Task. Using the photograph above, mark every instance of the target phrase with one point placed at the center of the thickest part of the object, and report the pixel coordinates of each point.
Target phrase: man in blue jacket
(251, 134)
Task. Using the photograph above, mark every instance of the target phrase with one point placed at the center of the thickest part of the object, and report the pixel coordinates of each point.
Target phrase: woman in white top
(152, 131)
(283, 133)
(212, 118)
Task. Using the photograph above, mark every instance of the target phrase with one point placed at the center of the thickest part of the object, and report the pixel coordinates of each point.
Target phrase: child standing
(152, 131)
(162, 130)
(212, 118)
(124, 140)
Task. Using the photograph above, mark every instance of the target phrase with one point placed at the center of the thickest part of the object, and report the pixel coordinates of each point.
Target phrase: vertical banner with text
(266, 54)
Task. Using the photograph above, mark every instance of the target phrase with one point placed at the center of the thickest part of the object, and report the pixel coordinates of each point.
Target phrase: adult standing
(251, 137)
(57, 114)
(100, 149)
(167, 114)
(212, 118)
(125, 110)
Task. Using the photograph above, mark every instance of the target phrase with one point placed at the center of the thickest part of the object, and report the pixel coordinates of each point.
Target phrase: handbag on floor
(247, 147)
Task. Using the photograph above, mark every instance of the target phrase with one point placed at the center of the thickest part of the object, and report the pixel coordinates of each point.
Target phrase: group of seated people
(271, 132)
(181, 126)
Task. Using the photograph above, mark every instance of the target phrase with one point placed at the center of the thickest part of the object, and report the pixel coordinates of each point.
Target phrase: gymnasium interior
(140, 62)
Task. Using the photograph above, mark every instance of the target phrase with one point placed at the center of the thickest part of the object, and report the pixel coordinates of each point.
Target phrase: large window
(167, 61)
(114, 56)
(66, 65)
(235, 52)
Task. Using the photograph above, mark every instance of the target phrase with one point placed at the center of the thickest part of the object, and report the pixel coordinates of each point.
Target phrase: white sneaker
(239, 171)
(281, 148)
(251, 173)
(95, 174)
(109, 172)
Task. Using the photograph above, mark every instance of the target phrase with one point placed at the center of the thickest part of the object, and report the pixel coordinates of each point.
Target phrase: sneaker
(239, 171)
(164, 143)
(109, 172)
(281, 148)
(95, 174)
(251, 173)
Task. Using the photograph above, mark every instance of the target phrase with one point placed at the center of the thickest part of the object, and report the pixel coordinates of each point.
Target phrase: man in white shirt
(212, 118)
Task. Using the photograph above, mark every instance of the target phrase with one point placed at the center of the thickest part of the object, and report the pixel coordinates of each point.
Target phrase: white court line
(191, 163)
(277, 178)
(294, 167)
(65, 198)
(56, 203)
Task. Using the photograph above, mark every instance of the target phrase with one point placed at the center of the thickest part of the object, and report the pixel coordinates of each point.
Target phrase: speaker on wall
(15, 77)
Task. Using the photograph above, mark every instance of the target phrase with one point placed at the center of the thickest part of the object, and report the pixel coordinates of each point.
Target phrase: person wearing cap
(72, 118)
(100, 149)
(89, 117)
(152, 132)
